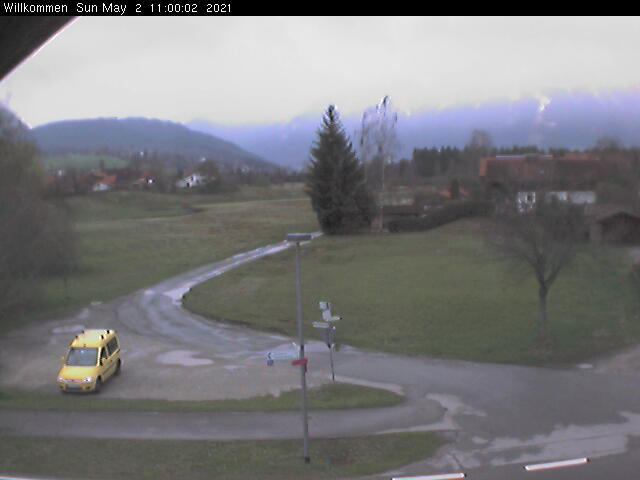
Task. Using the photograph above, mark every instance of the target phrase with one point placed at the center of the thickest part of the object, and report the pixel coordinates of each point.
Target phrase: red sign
(300, 361)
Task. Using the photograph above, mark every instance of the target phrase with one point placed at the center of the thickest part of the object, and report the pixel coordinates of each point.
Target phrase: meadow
(129, 240)
(440, 293)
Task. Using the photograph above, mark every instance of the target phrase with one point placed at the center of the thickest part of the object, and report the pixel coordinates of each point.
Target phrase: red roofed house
(575, 170)
(101, 181)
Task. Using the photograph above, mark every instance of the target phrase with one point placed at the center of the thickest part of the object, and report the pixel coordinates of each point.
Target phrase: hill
(124, 137)
(572, 120)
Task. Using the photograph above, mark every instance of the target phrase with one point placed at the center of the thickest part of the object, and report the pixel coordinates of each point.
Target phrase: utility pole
(298, 238)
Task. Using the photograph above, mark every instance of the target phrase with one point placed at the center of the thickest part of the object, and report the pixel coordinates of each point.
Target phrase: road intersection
(495, 415)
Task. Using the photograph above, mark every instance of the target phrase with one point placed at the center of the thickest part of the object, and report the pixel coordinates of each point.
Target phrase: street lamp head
(298, 237)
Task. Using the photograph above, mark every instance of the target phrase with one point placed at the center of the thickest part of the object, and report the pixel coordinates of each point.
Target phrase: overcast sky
(243, 70)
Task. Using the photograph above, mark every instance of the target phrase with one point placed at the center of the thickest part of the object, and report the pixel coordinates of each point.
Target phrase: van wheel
(118, 366)
(98, 385)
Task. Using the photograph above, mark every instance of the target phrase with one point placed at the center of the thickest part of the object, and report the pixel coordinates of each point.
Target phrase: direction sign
(324, 305)
(281, 355)
(328, 317)
(320, 325)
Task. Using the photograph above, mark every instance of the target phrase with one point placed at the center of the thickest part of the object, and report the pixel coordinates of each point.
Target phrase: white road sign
(328, 317)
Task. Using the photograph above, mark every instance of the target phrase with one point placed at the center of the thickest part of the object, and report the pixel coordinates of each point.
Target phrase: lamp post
(297, 238)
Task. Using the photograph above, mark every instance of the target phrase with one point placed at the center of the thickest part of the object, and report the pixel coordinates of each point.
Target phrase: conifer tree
(336, 180)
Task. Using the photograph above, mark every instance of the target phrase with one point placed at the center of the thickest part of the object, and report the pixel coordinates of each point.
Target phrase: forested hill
(129, 135)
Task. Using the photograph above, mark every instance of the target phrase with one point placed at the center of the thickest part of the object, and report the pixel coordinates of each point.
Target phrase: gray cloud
(250, 70)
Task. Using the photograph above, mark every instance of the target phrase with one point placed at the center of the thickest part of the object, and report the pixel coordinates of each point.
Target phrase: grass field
(83, 161)
(439, 293)
(120, 205)
(330, 396)
(127, 241)
(195, 460)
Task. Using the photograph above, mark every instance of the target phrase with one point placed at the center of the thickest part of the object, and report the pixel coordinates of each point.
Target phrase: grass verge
(440, 293)
(195, 460)
(329, 396)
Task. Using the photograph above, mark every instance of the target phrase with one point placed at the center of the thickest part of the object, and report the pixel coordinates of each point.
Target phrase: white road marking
(563, 463)
(18, 478)
(443, 476)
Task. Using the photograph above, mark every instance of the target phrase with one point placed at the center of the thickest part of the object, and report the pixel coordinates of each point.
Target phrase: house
(144, 182)
(526, 200)
(101, 181)
(519, 169)
(192, 180)
(612, 224)
(578, 170)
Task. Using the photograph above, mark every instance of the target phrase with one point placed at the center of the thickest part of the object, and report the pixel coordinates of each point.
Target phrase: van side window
(104, 353)
(113, 345)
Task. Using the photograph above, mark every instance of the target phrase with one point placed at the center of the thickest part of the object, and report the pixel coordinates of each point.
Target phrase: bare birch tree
(378, 141)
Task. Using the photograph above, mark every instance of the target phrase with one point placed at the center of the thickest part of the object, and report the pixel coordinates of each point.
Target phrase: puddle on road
(68, 329)
(184, 358)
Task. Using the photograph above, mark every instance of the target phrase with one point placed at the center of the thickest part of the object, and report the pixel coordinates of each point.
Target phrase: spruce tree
(336, 180)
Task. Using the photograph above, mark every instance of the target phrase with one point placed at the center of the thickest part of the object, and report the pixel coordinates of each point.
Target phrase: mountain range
(572, 120)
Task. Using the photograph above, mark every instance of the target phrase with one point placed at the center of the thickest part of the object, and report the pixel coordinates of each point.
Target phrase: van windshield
(82, 357)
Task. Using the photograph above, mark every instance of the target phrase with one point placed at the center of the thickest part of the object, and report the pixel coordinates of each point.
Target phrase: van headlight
(87, 379)
(60, 379)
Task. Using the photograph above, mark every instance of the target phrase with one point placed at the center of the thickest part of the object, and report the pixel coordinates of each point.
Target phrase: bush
(446, 214)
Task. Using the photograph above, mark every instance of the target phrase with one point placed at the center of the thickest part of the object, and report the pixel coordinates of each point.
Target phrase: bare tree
(543, 240)
(480, 141)
(379, 145)
(479, 145)
(608, 144)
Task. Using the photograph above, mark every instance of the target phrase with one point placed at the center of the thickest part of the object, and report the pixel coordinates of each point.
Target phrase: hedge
(446, 214)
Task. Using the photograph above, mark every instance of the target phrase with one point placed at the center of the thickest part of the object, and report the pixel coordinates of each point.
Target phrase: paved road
(498, 415)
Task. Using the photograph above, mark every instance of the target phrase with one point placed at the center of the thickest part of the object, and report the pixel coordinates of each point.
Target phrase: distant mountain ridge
(129, 135)
(563, 119)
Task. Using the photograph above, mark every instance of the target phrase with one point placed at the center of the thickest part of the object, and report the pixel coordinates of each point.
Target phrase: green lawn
(330, 396)
(195, 460)
(125, 245)
(439, 293)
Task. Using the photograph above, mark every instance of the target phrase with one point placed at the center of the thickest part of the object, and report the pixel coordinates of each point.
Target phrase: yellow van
(93, 357)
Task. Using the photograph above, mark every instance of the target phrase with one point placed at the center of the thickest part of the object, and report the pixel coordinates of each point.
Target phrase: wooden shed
(613, 224)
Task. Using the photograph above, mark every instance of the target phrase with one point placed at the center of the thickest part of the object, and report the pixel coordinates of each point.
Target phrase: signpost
(328, 331)
(298, 238)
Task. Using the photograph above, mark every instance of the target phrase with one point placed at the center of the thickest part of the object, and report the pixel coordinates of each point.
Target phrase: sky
(247, 70)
